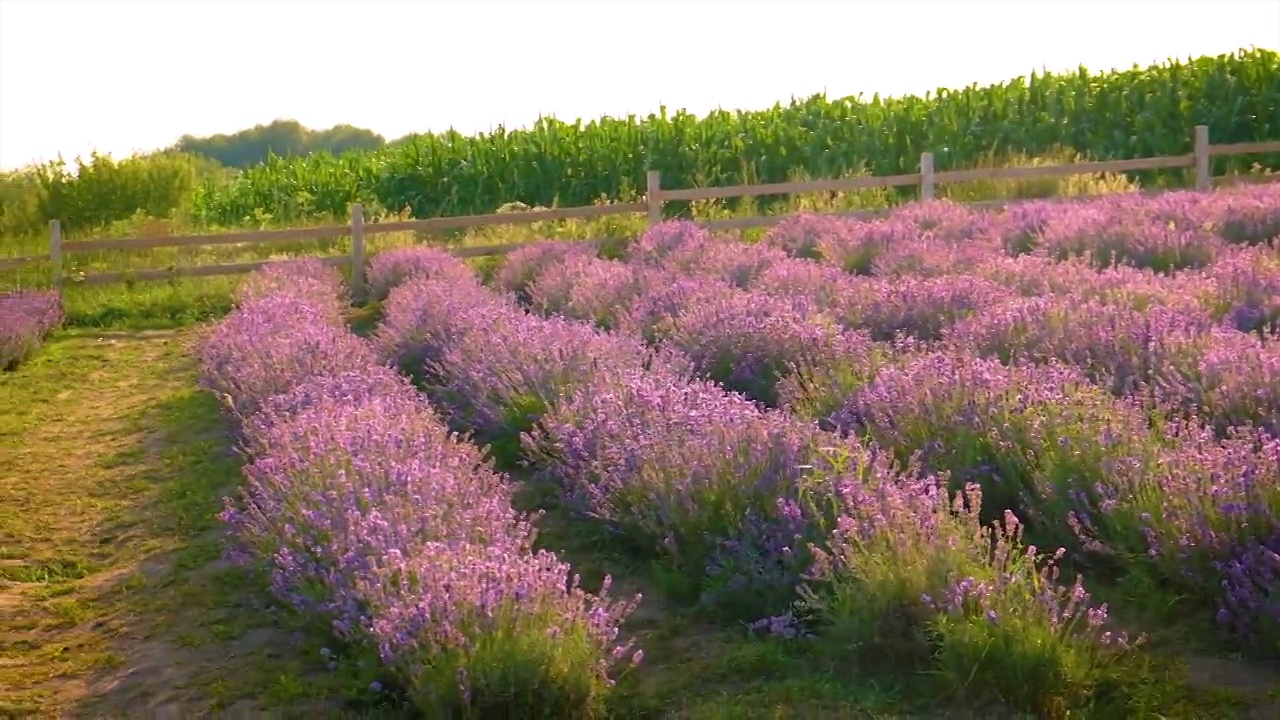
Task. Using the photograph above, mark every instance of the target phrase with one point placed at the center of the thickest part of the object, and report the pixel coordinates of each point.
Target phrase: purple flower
(521, 267)
(370, 515)
(674, 465)
(303, 278)
(659, 241)
(391, 268)
(26, 318)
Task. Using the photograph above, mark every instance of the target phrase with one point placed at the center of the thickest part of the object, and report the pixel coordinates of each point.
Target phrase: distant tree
(341, 138)
(284, 138)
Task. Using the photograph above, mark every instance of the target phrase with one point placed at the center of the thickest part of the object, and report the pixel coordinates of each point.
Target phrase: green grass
(113, 595)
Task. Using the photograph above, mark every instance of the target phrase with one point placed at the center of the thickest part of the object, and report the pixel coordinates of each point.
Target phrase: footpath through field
(113, 599)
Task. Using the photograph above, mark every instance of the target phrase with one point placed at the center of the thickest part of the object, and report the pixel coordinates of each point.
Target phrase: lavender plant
(501, 370)
(1138, 288)
(1108, 236)
(910, 575)
(684, 471)
(305, 278)
(1122, 349)
(1041, 441)
(825, 286)
(1250, 216)
(663, 298)
(26, 319)
(749, 342)
(1243, 289)
(659, 241)
(369, 514)
(1211, 521)
(856, 250)
(921, 308)
(386, 466)
(372, 516)
(391, 268)
(423, 316)
(803, 234)
(1236, 382)
(586, 288)
(738, 264)
(267, 346)
(522, 266)
(1020, 226)
(946, 220)
(928, 256)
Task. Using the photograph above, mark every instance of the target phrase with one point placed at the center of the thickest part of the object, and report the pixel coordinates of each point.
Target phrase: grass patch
(149, 305)
(113, 595)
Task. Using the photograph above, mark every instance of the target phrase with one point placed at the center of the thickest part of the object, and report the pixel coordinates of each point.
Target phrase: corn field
(1134, 113)
(1105, 116)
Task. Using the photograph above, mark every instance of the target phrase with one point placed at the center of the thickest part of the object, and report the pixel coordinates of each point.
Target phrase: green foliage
(933, 590)
(291, 173)
(281, 190)
(101, 191)
(284, 138)
(1033, 188)
(140, 305)
(20, 207)
(1127, 114)
(816, 393)
(517, 669)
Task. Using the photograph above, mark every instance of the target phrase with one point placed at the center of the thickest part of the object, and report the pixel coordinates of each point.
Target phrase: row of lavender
(372, 517)
(26, 319)
(997, 284)
(974, 356)
(1127, 411)
(756, 512)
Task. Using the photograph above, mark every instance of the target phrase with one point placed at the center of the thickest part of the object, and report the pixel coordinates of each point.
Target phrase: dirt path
(113, 597)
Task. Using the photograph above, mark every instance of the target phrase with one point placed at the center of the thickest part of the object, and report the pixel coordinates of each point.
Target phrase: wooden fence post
(1202, 157)
(55, 254)
(357, 251)
(653, 196)
(926, 176)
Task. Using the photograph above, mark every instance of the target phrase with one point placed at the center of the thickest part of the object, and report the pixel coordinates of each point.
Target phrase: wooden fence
(655, 196)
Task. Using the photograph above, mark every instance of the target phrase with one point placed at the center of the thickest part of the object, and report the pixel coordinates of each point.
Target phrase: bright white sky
(127, 76)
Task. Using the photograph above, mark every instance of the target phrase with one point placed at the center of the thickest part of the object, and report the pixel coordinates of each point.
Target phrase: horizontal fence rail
(467, 222)
(926, 180)
(15, 263)
(194, 271)
(232, 238)
(792, 188)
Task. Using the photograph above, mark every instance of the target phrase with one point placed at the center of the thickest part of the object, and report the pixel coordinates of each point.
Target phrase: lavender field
(993, 449)
(26, 318)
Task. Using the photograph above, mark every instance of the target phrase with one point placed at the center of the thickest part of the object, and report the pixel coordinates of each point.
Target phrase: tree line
(283, 138)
